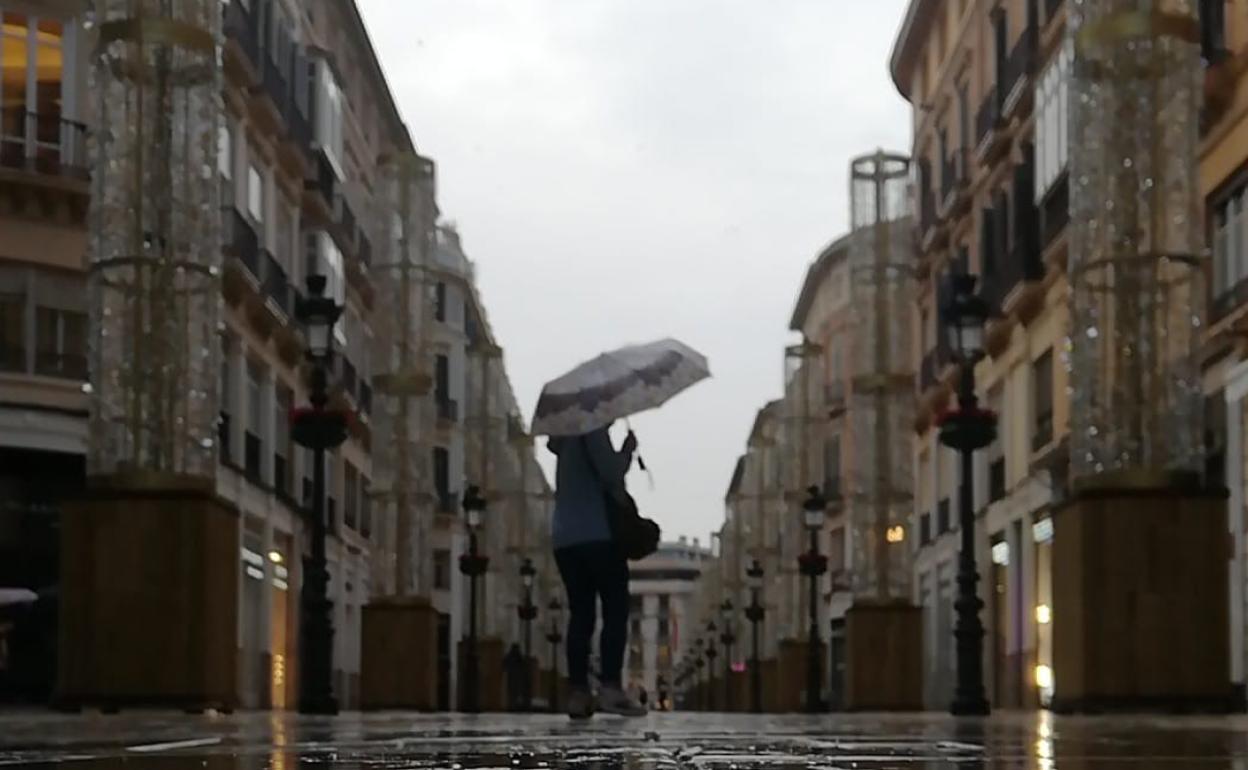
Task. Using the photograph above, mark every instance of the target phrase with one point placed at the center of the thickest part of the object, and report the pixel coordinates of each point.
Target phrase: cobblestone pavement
(262, 741)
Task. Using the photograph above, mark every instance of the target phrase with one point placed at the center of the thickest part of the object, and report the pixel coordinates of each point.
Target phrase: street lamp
(319, 429)
(967, 429)
(473, 565)
(727, 637)
(812, 564)
(527, 612)
(755, 614)
(711, 654)
(555, 635)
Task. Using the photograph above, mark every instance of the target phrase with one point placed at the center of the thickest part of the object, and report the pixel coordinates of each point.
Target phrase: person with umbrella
(592, 503)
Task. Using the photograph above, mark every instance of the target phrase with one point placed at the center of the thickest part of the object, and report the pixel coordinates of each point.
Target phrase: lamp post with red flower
(812, 564)
(755, 614)
(473, 565)
(967, 429)
(527, 612)
(555, 635)
(318, 428)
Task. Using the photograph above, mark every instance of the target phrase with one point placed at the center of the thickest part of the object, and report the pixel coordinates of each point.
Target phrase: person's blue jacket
(586, 463)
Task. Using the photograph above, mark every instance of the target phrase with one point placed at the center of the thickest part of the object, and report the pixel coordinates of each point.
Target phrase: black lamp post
(727, 637)
(473, 565)
(967, 429)
(555, 635)
(320, 429)
(755, 614)
(711, 654)
(812, 564)
(699, 663)
(527, 612)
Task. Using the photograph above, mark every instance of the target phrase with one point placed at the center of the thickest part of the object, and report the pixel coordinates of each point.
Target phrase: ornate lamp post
(812, 564)
(727, 637)
(555, 635)
(967, 429)
(473, 565)
(699, 663)
(320, 429)
(755, 614)
(527, 612)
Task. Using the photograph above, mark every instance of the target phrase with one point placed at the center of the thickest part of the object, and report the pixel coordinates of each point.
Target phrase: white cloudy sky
(623, 170)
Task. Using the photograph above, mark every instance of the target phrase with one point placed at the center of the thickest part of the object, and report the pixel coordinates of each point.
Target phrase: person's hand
(630, 443)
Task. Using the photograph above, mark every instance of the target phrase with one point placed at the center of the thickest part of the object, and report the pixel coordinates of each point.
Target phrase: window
(252, 438)
(996, 452)
(32, 63)
(225, 151)
(282, 446)
(12, 332)
(441, 569)
(1230, 263)
(255, 194)
(439, 303)
(442, 379)
(832, 467)
(1213, 30)
(836, 551)
(1042, 393)
(1052, 109)
(350, 489)
(942, 516)
(323, 257)
(61, 343)
(329, 115)
(442, 479)
(366, 507)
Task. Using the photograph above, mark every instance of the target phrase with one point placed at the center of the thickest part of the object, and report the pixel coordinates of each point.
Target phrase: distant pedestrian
(642, 697)
(592, 566)
(514, 670)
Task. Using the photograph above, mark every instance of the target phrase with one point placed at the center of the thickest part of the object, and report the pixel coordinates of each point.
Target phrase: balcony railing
(1019, 63)
(252, 453)
(989, 115)
(1055, 211)
(1042, 436)
(244, 243)
(223, 438)
(996, 480)
(241, 27)
(42, 143)
(71, 366)
(12, 358)
(276, 284)
(349, 376)
(326, 181)
(448, 410)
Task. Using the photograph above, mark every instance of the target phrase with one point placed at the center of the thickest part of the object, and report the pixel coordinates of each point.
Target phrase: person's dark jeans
(593, 571)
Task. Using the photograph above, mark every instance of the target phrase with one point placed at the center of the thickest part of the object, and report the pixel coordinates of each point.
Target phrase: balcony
(834, 398)
(350, 378)
(1054, 211)
(241, 29)
(252, 453)
(988, 124)
(1042, 434)
(43, 144)
(243, 244)
(448, 412)
(223, 439)
(276, 284)
(996, 480)
(955, 199)
(70, 366)
(1015, 78)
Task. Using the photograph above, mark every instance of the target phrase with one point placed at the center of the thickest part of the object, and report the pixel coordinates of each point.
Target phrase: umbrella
(617, 385)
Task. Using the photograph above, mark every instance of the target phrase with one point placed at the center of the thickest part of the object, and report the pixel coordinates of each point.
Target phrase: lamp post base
(972, 707)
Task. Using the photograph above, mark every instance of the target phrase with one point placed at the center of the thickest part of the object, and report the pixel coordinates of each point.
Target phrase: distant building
(661, 622)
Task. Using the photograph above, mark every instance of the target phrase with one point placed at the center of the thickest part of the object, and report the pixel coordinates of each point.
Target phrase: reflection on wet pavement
(261, 741)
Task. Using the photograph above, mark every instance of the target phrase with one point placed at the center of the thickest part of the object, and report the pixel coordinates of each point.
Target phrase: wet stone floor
(390, 741)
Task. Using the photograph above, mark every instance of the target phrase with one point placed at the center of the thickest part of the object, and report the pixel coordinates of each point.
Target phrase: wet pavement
(389, 741)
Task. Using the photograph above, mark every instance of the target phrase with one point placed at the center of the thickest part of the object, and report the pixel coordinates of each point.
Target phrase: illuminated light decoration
(1001, 553)
(1044, 678)
(154, 241)
(1044, 614)
(1136, 238)
(880, 410)
(276, 557)
(1042, 531)
(896, 534)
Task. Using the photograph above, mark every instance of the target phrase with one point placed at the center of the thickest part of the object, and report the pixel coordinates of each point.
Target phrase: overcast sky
(623, 170)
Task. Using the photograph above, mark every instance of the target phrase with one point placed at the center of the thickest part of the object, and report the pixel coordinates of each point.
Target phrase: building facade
(308, 120)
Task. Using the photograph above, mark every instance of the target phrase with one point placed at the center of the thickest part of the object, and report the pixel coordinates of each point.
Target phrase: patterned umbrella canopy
(617, 385)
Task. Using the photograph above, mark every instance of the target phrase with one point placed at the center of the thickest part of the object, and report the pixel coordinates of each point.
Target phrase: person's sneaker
(613, 700)
(580, 704)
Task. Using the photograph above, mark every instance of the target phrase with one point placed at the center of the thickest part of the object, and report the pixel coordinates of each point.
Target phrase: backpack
(637, 536)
